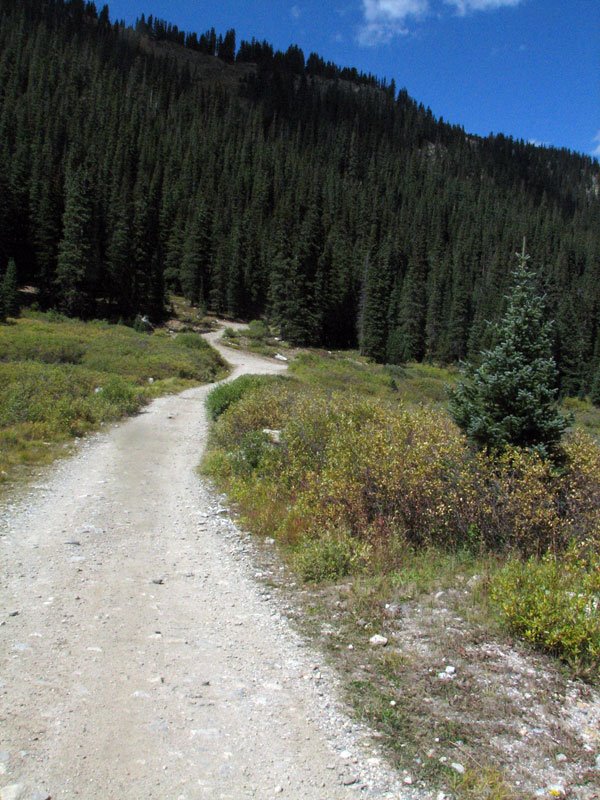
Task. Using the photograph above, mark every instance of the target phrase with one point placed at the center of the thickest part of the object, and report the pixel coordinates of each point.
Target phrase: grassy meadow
(62, 378)
(384, 512)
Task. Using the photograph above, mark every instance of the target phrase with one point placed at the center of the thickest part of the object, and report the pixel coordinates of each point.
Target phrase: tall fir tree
(511, 397)
(76, 250)
(9, 292)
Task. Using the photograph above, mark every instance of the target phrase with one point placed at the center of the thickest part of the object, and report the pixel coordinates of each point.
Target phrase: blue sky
(526, 68)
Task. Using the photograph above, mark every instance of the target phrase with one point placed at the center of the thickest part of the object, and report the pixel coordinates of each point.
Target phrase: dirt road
(139, 657)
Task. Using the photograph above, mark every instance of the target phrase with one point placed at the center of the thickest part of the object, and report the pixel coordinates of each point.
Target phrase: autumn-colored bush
(377, 472)
(353, 483)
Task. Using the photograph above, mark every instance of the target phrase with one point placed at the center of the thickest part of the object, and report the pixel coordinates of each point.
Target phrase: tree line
(140, 161)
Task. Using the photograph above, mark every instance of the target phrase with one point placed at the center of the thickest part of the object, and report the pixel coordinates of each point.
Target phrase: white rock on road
(144, 661)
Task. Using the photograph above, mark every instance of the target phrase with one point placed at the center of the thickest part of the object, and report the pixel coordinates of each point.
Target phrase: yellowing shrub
(378, 473)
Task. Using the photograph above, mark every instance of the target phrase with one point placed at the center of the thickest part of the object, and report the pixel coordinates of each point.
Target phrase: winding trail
(139, 656)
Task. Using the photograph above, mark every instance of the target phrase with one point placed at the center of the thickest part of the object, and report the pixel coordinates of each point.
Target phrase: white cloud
(295, 12)
(384, 19)
(596, 150)
(464, 7)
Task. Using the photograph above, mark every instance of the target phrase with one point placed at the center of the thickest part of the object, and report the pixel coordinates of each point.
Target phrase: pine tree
(595, 390)
(76, 249)
(510, 399)
(9, 292)
(373, 324)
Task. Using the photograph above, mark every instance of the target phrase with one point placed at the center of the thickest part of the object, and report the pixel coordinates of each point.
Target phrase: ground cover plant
(257, 338)
(61, 378)
(399, 527)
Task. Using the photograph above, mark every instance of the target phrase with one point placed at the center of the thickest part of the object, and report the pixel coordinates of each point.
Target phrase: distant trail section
(139, 656)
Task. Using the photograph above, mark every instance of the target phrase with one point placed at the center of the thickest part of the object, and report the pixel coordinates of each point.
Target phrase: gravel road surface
(139, 655)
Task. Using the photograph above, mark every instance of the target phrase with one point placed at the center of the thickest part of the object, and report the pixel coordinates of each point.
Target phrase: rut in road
(144, 660)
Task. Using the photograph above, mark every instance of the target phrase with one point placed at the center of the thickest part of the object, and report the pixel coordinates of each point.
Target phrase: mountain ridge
(342, 210)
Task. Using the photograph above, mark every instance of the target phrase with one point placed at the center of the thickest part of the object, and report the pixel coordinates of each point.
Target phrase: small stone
(345, 754)
(278, 790)
(450, 670)
(408, 780)
(14, 614)
(158, 581)
(378, 640)
(74, 542)
(458, 768)
(561, 757)
(350, 780)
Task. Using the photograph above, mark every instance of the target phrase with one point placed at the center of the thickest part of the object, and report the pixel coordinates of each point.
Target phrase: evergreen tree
(373, 322)
(510, 399)
(9, 292)
(76, 248)
(595, 390)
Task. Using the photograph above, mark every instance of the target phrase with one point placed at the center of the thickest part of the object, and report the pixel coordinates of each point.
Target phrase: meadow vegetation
(257, 338)
(369, 484)
(62, 378)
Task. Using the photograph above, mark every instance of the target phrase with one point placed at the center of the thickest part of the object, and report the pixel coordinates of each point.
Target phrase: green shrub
(227, 394)
(192, 341)
(257, 329)
(119, 393)
(250, 452)
(330, 557)
(554, 603)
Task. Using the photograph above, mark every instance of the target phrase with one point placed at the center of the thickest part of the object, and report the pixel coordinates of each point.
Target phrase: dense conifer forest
(138, 161)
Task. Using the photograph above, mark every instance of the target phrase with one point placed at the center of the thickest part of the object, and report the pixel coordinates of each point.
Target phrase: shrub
(554, 603)
(257, 329)
(192, 341)
(330, 557)
(227, 394)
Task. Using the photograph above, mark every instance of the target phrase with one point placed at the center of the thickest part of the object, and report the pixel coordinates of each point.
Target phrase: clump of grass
(61, 378)
(483, 783)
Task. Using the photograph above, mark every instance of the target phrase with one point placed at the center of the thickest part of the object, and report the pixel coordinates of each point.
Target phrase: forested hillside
(139, 161)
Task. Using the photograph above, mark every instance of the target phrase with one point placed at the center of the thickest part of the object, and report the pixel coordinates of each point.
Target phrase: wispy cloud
(385, 19)
(464, 7)
(295, 12)
(596, 150)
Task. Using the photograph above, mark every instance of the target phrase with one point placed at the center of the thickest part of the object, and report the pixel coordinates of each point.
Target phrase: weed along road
(139, 657)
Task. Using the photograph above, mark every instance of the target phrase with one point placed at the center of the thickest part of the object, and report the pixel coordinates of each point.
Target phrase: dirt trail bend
(139, 658)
